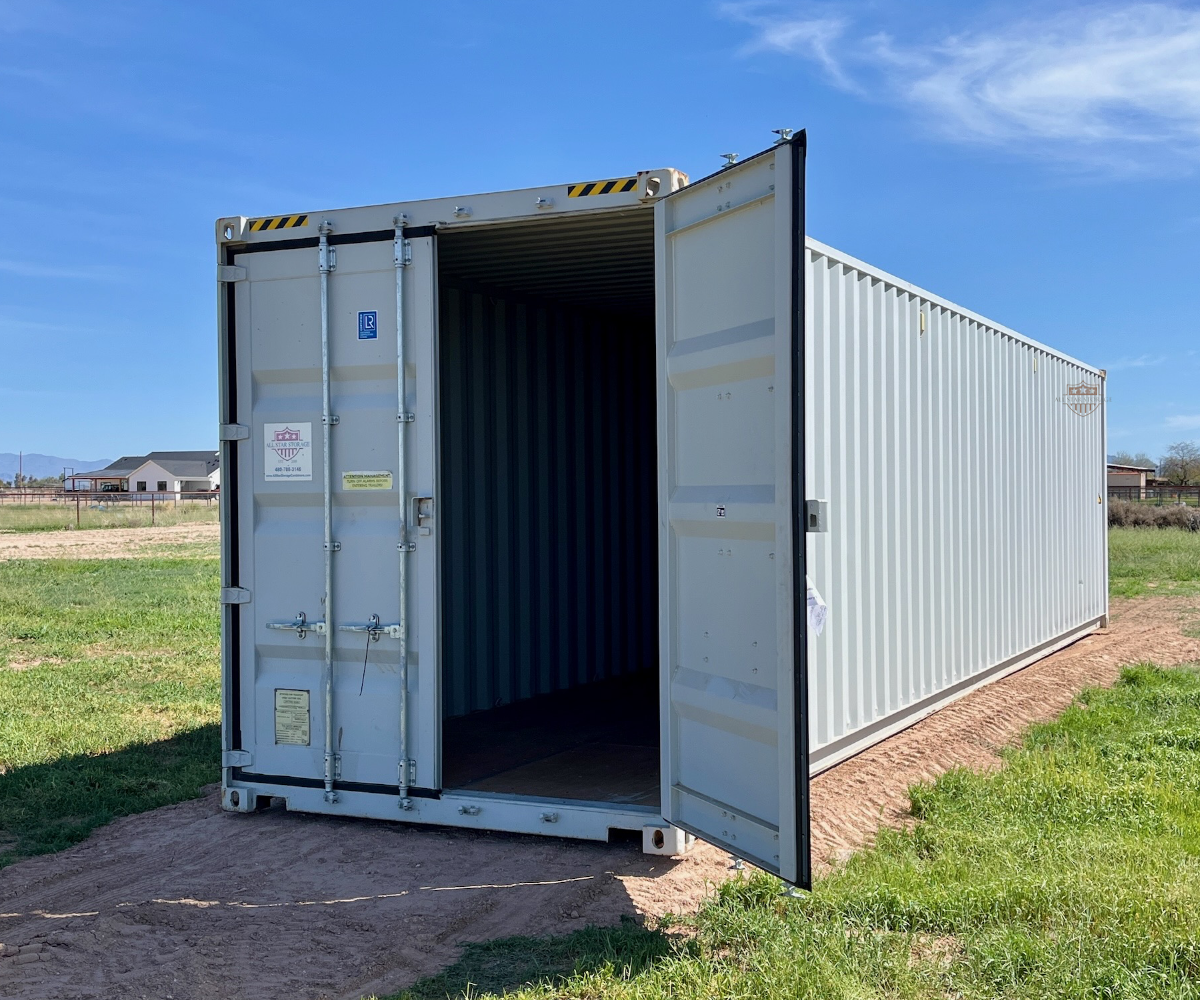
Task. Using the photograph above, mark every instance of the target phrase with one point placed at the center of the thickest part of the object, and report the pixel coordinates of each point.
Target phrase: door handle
(422, 510)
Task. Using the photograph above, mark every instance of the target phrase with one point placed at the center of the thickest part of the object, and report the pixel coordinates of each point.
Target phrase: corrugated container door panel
(281, 519)
(725, 339)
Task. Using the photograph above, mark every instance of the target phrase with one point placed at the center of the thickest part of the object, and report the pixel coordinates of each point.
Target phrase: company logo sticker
(288, 453)
(368, 325)
(1083, 397)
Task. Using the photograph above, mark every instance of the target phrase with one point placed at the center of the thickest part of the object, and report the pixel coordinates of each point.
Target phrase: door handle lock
(422, 511)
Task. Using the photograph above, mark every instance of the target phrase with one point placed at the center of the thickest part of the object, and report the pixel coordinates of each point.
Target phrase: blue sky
(1036, 164)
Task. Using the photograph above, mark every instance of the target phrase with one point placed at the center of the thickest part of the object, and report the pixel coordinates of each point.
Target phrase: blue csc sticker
(368, 325)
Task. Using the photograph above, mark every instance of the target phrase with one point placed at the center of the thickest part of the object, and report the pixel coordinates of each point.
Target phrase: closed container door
(280, 512)
(730, 308)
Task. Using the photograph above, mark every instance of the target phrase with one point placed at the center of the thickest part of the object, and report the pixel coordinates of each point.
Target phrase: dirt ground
(104, 543)
(189, 903)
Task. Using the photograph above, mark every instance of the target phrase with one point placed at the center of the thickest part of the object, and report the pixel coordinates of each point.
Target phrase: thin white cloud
(1112, 85)
(91, 23)
(87, 272)
(1185, 422)
(27, 326)
(1141, 361)
(86, 87)
(812, 38)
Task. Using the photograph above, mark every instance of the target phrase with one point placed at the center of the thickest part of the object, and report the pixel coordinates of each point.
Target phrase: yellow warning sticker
(366, 480)
(291, 717)
(618, 186)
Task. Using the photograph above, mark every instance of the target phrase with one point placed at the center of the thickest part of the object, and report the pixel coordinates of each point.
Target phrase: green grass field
(1072, 872)
(62, 516)
(109, 693)
(1153, 561)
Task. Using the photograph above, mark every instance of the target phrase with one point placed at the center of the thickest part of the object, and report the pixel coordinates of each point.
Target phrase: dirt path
(105, 543)
(189, 903)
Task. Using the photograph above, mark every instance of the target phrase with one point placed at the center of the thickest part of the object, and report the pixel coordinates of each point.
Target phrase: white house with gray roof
(158, 472)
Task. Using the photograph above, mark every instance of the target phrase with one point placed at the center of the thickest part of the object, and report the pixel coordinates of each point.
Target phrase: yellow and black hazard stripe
(619, 186)
(278, 222)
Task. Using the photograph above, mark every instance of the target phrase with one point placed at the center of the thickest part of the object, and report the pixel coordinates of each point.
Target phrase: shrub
(1128, 514)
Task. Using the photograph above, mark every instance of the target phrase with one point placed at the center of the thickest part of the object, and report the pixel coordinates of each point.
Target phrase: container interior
(548, 510)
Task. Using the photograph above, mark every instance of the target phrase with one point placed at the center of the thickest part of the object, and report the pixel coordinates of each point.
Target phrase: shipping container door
(280, 704)
(733, 698)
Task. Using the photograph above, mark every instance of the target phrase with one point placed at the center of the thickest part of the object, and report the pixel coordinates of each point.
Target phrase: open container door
(730, 322)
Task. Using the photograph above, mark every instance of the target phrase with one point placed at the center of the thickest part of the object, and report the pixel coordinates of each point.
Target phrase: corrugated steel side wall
(965, 522)
(547, 513)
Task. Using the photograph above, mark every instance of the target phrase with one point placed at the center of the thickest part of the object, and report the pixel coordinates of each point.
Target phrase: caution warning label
(366, 480)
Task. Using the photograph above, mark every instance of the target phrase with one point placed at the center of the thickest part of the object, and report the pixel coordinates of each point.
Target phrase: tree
(1181, 464)
(1125, 458)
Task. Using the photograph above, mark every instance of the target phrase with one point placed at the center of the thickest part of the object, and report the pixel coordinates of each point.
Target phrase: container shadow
(51, 806)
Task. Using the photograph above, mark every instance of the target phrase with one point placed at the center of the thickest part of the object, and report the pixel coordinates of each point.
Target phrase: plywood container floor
(598, 743)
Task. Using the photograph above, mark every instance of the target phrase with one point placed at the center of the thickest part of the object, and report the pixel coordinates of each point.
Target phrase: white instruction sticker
(366, 480)
(289, 450)
(291, 717)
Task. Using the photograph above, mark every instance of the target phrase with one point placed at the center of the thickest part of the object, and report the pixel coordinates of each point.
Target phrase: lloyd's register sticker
(291, 717)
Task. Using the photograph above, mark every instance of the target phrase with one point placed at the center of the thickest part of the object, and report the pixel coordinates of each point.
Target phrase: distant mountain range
(39, 466)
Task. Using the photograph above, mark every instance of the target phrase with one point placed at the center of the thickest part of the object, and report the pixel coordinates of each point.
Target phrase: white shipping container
(532, 498)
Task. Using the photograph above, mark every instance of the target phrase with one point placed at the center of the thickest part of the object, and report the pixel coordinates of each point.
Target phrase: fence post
(76, 510)
(152, 510)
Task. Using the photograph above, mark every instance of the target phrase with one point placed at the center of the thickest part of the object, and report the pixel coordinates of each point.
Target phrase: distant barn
(1128, 478)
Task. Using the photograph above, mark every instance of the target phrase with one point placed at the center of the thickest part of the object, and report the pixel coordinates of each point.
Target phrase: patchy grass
(1072, 872)
(99, 514)
(109, 693)
(1151, 561)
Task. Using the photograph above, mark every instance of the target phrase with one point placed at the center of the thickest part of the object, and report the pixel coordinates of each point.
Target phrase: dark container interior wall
(548, 497)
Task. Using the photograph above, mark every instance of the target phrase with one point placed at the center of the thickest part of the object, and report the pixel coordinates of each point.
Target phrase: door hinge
(235, 595)
(234, 432)
(236, 758)
(231, 272)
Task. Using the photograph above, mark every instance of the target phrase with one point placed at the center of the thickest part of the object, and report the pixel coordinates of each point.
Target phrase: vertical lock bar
(400, 259)
(326, 263)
